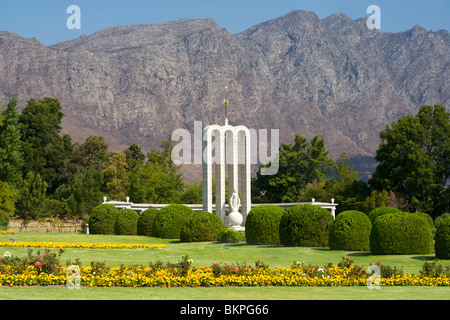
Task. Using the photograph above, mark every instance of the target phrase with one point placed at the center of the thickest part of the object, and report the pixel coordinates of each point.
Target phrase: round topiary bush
(201, 226)
(442, 241)
(429, 220)
(401, 233)
(350, 231)
(102, 219)
(263, 224)
(169, 221)
(374, 214)
(230, 236)
(126, 222)
(305, 225)
(145, 222)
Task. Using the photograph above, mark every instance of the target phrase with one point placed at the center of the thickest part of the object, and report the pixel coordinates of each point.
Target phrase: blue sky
(46, 19)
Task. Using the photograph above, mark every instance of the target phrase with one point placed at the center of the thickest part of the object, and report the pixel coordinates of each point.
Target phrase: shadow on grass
(424, 258)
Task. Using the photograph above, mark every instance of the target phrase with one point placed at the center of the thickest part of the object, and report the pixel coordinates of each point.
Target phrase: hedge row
(384, 231)
(175, 221)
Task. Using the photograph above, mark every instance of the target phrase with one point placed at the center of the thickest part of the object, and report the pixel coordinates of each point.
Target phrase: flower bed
(79, 245)
(158, 275)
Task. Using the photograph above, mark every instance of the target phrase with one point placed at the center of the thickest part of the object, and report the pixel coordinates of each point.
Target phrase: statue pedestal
(235, 220)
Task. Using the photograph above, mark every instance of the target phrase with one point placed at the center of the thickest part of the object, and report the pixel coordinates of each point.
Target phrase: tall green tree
(92, 152)
(299, 164)
(31, 197)
(7, 207)
(116, 176)
(414, 160)
(44, 149)
(11, 157)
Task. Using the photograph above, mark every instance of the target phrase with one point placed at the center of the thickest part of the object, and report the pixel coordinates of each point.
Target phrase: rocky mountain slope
(299, 74)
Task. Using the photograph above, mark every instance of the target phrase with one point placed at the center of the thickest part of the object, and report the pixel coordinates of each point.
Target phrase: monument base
(237, 228)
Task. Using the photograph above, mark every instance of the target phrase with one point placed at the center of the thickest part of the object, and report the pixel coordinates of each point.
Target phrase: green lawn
(230, 293)
(204, 254)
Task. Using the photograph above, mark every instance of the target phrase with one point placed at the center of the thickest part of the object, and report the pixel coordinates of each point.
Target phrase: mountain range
(331, 77)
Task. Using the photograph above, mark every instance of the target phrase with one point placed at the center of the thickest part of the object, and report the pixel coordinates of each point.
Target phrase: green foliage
(374, 200)
(262, 225)
(201, 226)
(116, 176)
(155, 183)
(93, 152)
(401, 233)
(44, 149)
(374, 214)
(343, 185)
(11, 158)
(192, 193)
(442, 241)
(7, 207)
(429, 219)
(169, 221)
(228, 235)
(31, 197)
(145, 222)
(103, 219)
(434, 269)
(299, 164)
(305, 226)
(414, 159)
(350, 231)
(82, 191)
(126, 222)
(439, 219)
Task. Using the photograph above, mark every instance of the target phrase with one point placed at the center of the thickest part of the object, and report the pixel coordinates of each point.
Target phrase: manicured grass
(204, 254)
(229, 293)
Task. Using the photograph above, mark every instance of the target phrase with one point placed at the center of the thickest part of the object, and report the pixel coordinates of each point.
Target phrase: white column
(245, 174)
(207, 170)
(220, 175)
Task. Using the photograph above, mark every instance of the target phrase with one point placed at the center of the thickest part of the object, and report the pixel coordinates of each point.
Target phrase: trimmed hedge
(102, 219)
(145, 222)
(374, 214)
(263, 224)
(169, 221)
(429, 220)
(350, 231)
(401, 233)
(201, 226)
(443, 239)
(230, 236)
(305, 225)
(126, 222)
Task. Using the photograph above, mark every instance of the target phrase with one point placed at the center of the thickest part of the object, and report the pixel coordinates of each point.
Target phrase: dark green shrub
(201, 226)
(305, 226)
(438, 219)
(126, 222)
(145, 222)
(230, 236)
(429, 220)
(169, 221)
(102, 219)
(374, 214)
(442, 244)
(350, 231)
(401, 233)
(263, 224)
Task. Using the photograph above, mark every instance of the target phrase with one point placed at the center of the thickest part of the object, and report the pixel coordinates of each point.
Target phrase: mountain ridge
(297, 73)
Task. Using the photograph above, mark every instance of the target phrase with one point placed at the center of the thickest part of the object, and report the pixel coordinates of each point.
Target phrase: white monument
(232, 149)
